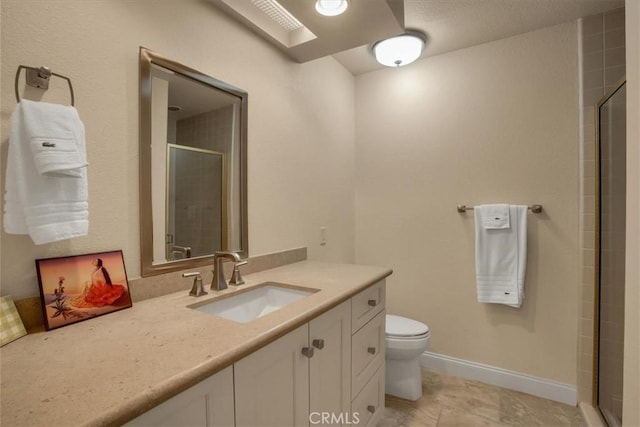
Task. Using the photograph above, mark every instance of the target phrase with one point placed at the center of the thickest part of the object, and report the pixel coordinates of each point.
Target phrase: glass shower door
(196, 207)
(611, 164)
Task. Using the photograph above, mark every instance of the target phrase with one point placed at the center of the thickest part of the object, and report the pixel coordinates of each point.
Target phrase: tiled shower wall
(603, 65)
(212, 130)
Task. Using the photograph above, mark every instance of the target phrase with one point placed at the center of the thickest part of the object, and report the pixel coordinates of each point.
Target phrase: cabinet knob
(371, 350)
(371, 408)
(372, 302)
(319, 344)
(308, 351)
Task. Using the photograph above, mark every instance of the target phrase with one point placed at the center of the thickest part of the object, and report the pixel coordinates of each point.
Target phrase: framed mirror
(193, 166)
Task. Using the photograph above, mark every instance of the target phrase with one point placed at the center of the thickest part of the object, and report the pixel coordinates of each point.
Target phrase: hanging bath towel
(501, 253)
(46, 183)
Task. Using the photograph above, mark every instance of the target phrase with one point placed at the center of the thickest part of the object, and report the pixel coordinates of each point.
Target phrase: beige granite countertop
(110, 369)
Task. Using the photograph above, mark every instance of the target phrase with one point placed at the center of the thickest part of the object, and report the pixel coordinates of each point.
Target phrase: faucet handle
(236, 278)
(197, 290)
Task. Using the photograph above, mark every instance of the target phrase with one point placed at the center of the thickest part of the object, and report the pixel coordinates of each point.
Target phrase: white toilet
(405, 340)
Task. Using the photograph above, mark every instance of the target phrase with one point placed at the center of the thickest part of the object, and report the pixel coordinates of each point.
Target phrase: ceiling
(456, 24)
(448, 24)
(315, 36)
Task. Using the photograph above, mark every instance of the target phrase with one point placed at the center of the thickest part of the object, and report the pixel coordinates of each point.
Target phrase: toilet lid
(402, 327)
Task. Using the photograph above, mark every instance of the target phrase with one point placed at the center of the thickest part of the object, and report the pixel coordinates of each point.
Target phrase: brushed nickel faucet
(219, 283)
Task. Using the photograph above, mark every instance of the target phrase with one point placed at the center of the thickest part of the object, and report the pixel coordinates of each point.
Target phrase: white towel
(51, 206)
(56, 138)
(501, 256)
(495, 216)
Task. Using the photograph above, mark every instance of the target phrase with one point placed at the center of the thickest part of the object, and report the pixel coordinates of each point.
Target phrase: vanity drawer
(369, 404)
(367, 304)
(367, 352)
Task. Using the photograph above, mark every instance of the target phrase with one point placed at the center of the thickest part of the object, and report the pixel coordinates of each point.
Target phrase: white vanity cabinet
(344, 375)
(207, 404)
(329, 371)
(304, 372)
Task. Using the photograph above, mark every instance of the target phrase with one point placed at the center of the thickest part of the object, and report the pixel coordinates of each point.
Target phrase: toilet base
(403, 378)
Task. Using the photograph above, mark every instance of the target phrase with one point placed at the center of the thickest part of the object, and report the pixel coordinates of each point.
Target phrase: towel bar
(39, 78)
(532, 208)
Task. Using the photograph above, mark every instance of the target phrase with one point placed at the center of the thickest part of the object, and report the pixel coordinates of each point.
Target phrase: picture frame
(81, 287)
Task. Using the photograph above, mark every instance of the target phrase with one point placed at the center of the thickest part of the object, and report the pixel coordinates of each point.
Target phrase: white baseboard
(541, 387)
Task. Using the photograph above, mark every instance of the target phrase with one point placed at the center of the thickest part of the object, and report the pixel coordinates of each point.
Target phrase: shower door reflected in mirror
(610, 251)
(196, 205)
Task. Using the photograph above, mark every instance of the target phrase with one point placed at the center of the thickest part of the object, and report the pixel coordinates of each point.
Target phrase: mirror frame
(147, 267)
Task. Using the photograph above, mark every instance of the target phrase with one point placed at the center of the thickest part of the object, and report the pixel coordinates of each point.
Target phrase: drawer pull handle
(308, 351)
(371, 350)
(371, 409)
(372, 302)
(319, 344)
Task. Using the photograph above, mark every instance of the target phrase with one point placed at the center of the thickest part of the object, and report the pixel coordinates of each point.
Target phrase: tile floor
(449, 401)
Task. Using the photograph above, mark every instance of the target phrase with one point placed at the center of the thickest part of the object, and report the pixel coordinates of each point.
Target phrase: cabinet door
(272, 384)
(208, 403)
(330, 366)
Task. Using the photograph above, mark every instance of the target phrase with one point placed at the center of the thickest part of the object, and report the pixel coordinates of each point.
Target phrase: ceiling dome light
(331, 7)
(400, 50)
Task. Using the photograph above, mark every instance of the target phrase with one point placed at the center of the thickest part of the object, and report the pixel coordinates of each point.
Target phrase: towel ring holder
(39, 78)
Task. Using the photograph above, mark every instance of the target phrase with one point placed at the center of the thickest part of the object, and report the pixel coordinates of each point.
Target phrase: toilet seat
(398, 327)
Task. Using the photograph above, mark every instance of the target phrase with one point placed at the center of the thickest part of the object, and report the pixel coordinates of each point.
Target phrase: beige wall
(631, 394)
(493, 123)
(301, 122)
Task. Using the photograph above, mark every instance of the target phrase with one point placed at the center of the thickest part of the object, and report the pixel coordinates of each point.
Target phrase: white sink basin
(243, 307)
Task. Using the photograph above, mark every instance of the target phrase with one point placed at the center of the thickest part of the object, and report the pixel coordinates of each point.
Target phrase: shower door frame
(597, 230)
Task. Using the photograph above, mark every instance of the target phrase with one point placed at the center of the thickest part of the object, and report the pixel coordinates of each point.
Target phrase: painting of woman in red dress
(83, 286)
(101, 291)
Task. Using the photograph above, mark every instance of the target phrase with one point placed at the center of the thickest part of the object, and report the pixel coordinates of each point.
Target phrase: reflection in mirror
(196, 214)
(192, 166)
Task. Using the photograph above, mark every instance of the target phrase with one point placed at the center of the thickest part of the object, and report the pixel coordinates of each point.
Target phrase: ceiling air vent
(275, 11)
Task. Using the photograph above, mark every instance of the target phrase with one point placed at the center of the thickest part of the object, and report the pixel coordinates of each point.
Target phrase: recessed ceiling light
(331, 7)
(400, 50)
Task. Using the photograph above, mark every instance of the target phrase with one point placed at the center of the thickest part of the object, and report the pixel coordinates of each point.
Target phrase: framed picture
(80, 287)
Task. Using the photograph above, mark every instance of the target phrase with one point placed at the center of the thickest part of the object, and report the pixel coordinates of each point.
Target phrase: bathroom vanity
(164, 363)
